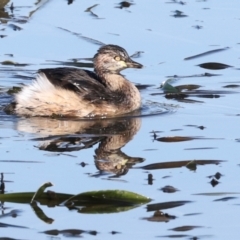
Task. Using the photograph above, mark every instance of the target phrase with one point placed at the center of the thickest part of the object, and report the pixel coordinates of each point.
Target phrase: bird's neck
(113, 81)
(127, 91)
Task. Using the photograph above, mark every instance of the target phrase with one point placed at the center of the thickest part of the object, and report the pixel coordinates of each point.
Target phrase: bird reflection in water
(72, 135)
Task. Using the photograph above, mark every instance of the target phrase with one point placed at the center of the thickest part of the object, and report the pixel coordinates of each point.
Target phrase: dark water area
(167, 171)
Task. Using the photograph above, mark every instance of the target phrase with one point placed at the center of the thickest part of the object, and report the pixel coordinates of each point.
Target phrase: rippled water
(183, 154)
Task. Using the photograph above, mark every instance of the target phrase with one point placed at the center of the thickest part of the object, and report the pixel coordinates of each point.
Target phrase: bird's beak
(131, 64)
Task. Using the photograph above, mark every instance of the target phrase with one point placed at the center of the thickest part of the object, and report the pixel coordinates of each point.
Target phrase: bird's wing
(83, 82)
(70, 78)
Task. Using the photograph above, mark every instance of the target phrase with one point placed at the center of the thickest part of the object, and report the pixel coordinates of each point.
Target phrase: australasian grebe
(82, 93)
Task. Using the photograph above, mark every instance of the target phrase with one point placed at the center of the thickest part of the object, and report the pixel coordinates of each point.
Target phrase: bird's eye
(117, 58)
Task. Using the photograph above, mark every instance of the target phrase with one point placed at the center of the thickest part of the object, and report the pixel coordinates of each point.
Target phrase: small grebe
(81, 93)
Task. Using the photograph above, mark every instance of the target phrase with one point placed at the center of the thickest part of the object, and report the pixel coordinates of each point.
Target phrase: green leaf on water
(192, 165)
(100, 209)
(110, 196)
(40, 214)
(104, 201)
(16, 64)
(40, 191)
(14, 90)
(107, 201)
(168, 88)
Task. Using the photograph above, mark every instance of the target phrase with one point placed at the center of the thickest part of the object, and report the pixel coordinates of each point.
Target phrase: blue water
(165, 41)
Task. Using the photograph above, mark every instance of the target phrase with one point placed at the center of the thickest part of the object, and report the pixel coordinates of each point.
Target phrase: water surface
(76, 156)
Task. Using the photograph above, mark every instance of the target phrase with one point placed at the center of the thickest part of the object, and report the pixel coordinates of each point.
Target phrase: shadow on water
(110, 135)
